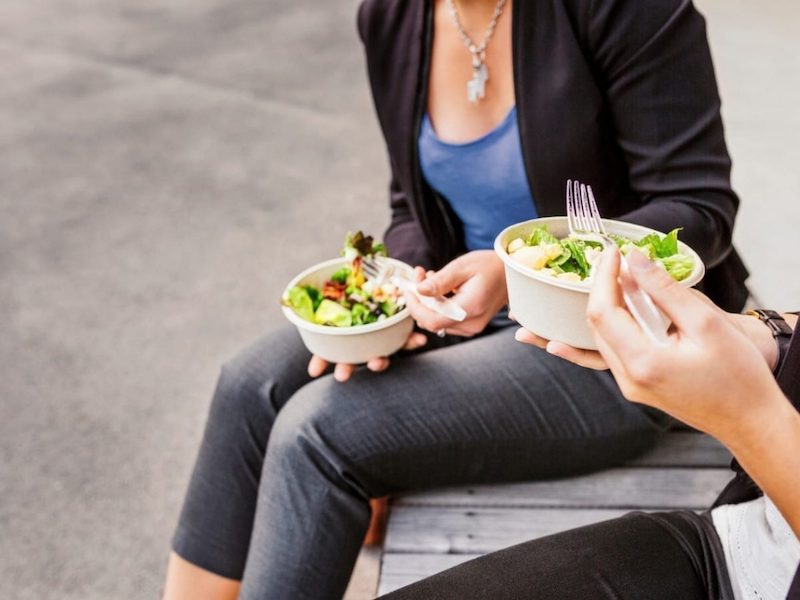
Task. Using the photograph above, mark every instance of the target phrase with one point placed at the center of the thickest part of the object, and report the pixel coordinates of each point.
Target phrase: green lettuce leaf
(540, 235)
(669, 244)
(361, 315)
(576, 249)
(560, 259)
(301, 303)
(388, 308)
(341, 275)
(314, 294)
(619, 240)
(659, 246)
(679, 266)
(333, 313)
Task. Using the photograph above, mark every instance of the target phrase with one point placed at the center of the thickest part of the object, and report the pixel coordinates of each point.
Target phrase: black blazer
(620, 94)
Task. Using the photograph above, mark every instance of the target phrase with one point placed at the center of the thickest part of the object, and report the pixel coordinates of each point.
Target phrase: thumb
(443, 281)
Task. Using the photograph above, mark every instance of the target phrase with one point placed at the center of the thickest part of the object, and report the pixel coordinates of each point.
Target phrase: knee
(314, 431)
(258, 380)
(306, 421)
(238, 394)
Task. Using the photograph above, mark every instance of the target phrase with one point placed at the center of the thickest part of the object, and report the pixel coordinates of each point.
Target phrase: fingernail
(639, 261)
(552, 348)
(518, 334)
(425, 287)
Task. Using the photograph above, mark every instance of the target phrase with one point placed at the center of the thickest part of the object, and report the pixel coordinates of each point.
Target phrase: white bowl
(352, 345)
(553, 308)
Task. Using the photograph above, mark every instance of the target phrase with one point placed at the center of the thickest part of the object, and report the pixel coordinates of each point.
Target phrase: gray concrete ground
(165, 167)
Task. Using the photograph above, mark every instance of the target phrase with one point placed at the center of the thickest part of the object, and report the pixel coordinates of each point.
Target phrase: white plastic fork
(381, 272)
(585, 224)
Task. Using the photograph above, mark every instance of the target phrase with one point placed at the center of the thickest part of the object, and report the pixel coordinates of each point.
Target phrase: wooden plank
(685, 449)
(437, 530)
(399, 570)
(432, 531)
(631, 488)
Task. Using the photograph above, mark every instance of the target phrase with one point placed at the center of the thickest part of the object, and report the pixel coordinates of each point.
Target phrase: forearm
(770, 453)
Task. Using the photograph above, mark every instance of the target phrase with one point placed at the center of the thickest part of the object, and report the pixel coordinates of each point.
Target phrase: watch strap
(780, 331)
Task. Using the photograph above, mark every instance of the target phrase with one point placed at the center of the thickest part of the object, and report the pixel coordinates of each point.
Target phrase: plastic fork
(381, 272)
(585, 224)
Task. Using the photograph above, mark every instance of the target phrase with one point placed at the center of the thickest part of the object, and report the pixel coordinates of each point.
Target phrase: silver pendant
(476, 87)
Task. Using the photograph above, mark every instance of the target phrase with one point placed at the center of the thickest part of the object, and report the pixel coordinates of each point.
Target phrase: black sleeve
(653, 61)
(404, 237)
(794, 591)
(789, 371)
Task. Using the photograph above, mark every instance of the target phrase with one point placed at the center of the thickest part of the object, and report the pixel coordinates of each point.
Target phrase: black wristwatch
(780, 331)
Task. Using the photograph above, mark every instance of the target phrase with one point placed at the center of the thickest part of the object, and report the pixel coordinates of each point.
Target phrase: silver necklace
(476, 87)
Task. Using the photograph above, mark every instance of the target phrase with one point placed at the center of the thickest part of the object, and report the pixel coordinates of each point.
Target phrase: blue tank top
(484, 180)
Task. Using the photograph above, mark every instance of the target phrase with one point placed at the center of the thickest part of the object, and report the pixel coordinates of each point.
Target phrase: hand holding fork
(585, 224)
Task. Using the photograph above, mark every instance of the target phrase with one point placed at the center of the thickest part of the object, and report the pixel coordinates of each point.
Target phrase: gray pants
(279, 494)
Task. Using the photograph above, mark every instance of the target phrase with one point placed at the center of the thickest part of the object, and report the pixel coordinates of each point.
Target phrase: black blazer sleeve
(404, 237)
(653, 61)
(794, 591)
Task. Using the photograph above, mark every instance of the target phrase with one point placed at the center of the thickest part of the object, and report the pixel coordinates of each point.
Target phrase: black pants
(661, 556)
(279, 495)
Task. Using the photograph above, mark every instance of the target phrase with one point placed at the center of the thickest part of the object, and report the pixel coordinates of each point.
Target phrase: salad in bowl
(344, 316)
(549, 274)
(571, 259)
(348, 298)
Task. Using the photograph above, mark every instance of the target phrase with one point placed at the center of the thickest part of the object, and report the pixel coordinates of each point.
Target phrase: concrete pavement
(165, 167)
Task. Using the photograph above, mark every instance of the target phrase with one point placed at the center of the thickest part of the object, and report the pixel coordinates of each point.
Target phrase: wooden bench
(432, 531)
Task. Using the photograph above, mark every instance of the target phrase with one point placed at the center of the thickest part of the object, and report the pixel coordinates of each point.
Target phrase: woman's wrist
(757, 430)
(760, 334)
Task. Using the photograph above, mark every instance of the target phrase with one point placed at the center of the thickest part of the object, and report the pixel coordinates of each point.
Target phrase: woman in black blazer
(618, 93)
(714, 375)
